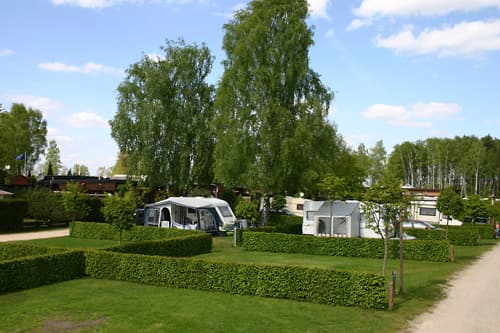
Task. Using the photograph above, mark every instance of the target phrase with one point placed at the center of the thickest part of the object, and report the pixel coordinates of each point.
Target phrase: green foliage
(247, 209)
(286, 224)
(89, 230)
(278, 202)
(165, 111)
(80, 170)
(74, 201)
(230, 197)
(45, 205)
(272, 130)
(348, 247)
(38, 270)
(365, 290)
(181, 246)
(12, 212)
(456, 235)
(94, 211)
(475, 207)
(10, 251)
(119, 212)
(22, 130)
(53, 164)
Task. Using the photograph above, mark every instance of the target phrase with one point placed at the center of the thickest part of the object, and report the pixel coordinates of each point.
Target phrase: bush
(12, 212)
(34, 271)
(104, 231)
(183, 246)
(286, 224)
(94, 213)
(348, 247)
(456, 235)
(323, 286)
(485, 231)
(120, 213)
(10, 251)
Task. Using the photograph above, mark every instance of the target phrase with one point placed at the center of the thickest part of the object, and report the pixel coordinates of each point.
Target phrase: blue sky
(401, 70)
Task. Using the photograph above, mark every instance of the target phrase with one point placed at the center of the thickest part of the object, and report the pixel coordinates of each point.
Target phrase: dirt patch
(55, 325)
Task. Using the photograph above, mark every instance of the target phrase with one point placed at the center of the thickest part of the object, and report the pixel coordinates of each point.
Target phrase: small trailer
(196, 213)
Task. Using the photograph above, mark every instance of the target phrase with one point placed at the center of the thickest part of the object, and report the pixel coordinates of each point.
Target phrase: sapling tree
(382, 210)
(450, 204)
(119, 211)
(247, 209)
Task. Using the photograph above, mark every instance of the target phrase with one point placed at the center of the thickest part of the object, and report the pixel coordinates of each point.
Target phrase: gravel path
(34, 235)
(472, 304)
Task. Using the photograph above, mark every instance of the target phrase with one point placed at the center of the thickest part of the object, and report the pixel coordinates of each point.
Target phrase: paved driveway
(34, 235)
(472, 304)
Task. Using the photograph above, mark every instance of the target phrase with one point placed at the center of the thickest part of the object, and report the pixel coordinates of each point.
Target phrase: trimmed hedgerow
(348, 247)
(286, 224)
(34, 271)
(10, 251)
(486, 231)
(467, 237)
(104, 231)
(365, 290)
(12, 212)
(183, 246)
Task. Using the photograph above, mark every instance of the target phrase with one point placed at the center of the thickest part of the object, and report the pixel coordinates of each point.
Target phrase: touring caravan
(196, 213)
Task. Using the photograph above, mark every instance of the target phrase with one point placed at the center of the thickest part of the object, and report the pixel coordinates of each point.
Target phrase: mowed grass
(112, 306)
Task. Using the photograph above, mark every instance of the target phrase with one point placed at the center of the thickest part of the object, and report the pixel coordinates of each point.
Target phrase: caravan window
(225, 211)
(426, 211)
(310, 215)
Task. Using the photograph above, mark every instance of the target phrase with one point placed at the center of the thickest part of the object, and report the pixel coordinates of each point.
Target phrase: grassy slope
(135, 307)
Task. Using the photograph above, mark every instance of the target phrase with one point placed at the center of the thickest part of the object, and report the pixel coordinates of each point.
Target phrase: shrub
(12, 212)
(247, 209)
(183, 246)
(104, 231)
(10, 251)
(315, 285)
(74, 201)
(94, 212)
(34, 271)
(457, 236)
(278, 202)
(348, 247)
(286, 224)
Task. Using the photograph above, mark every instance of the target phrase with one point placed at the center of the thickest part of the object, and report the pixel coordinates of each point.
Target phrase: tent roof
(192, 202)
(339, 208)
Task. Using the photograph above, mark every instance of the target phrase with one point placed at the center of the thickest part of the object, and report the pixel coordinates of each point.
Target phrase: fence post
(392, 289)
(235, 236)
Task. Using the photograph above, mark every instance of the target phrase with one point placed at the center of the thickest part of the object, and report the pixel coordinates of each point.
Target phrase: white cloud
(87, 68)
(462, 39)
(330, 33)
(98, 4)
(155, 57)
(359, 23)
(86, 120)
(6, 52)
(418, 115)
(319, 8)
(380, 8)
(55, 134)
(43, 104)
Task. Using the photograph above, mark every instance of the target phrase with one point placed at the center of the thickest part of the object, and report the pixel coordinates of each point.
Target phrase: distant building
(89, 184)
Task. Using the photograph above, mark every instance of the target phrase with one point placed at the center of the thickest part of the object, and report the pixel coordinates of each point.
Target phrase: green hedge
(12, 212)
(364, 290)
(457, 236)
(286, 224)
(183, 246)
(104, 231)
(349, 247)
(34, 271)
(485, 231)
(10, 251)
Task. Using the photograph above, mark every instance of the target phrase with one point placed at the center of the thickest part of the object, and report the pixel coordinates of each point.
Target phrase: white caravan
(424, 209)
(338, 219)
(196, 213)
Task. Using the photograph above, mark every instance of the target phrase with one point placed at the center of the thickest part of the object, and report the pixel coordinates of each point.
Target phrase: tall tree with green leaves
(23, 134)
(272, 132)
(378, 157)
(52, 159)
(119, 211)
(80, 170)
(165, 111)
(74, 201)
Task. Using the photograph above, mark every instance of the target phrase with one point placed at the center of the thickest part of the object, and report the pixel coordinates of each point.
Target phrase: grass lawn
(112, 306)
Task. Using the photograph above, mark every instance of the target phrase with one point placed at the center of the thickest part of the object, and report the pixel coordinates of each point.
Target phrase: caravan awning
(191, 202)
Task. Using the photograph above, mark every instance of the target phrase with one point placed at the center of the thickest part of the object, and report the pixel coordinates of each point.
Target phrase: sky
(400, 70)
